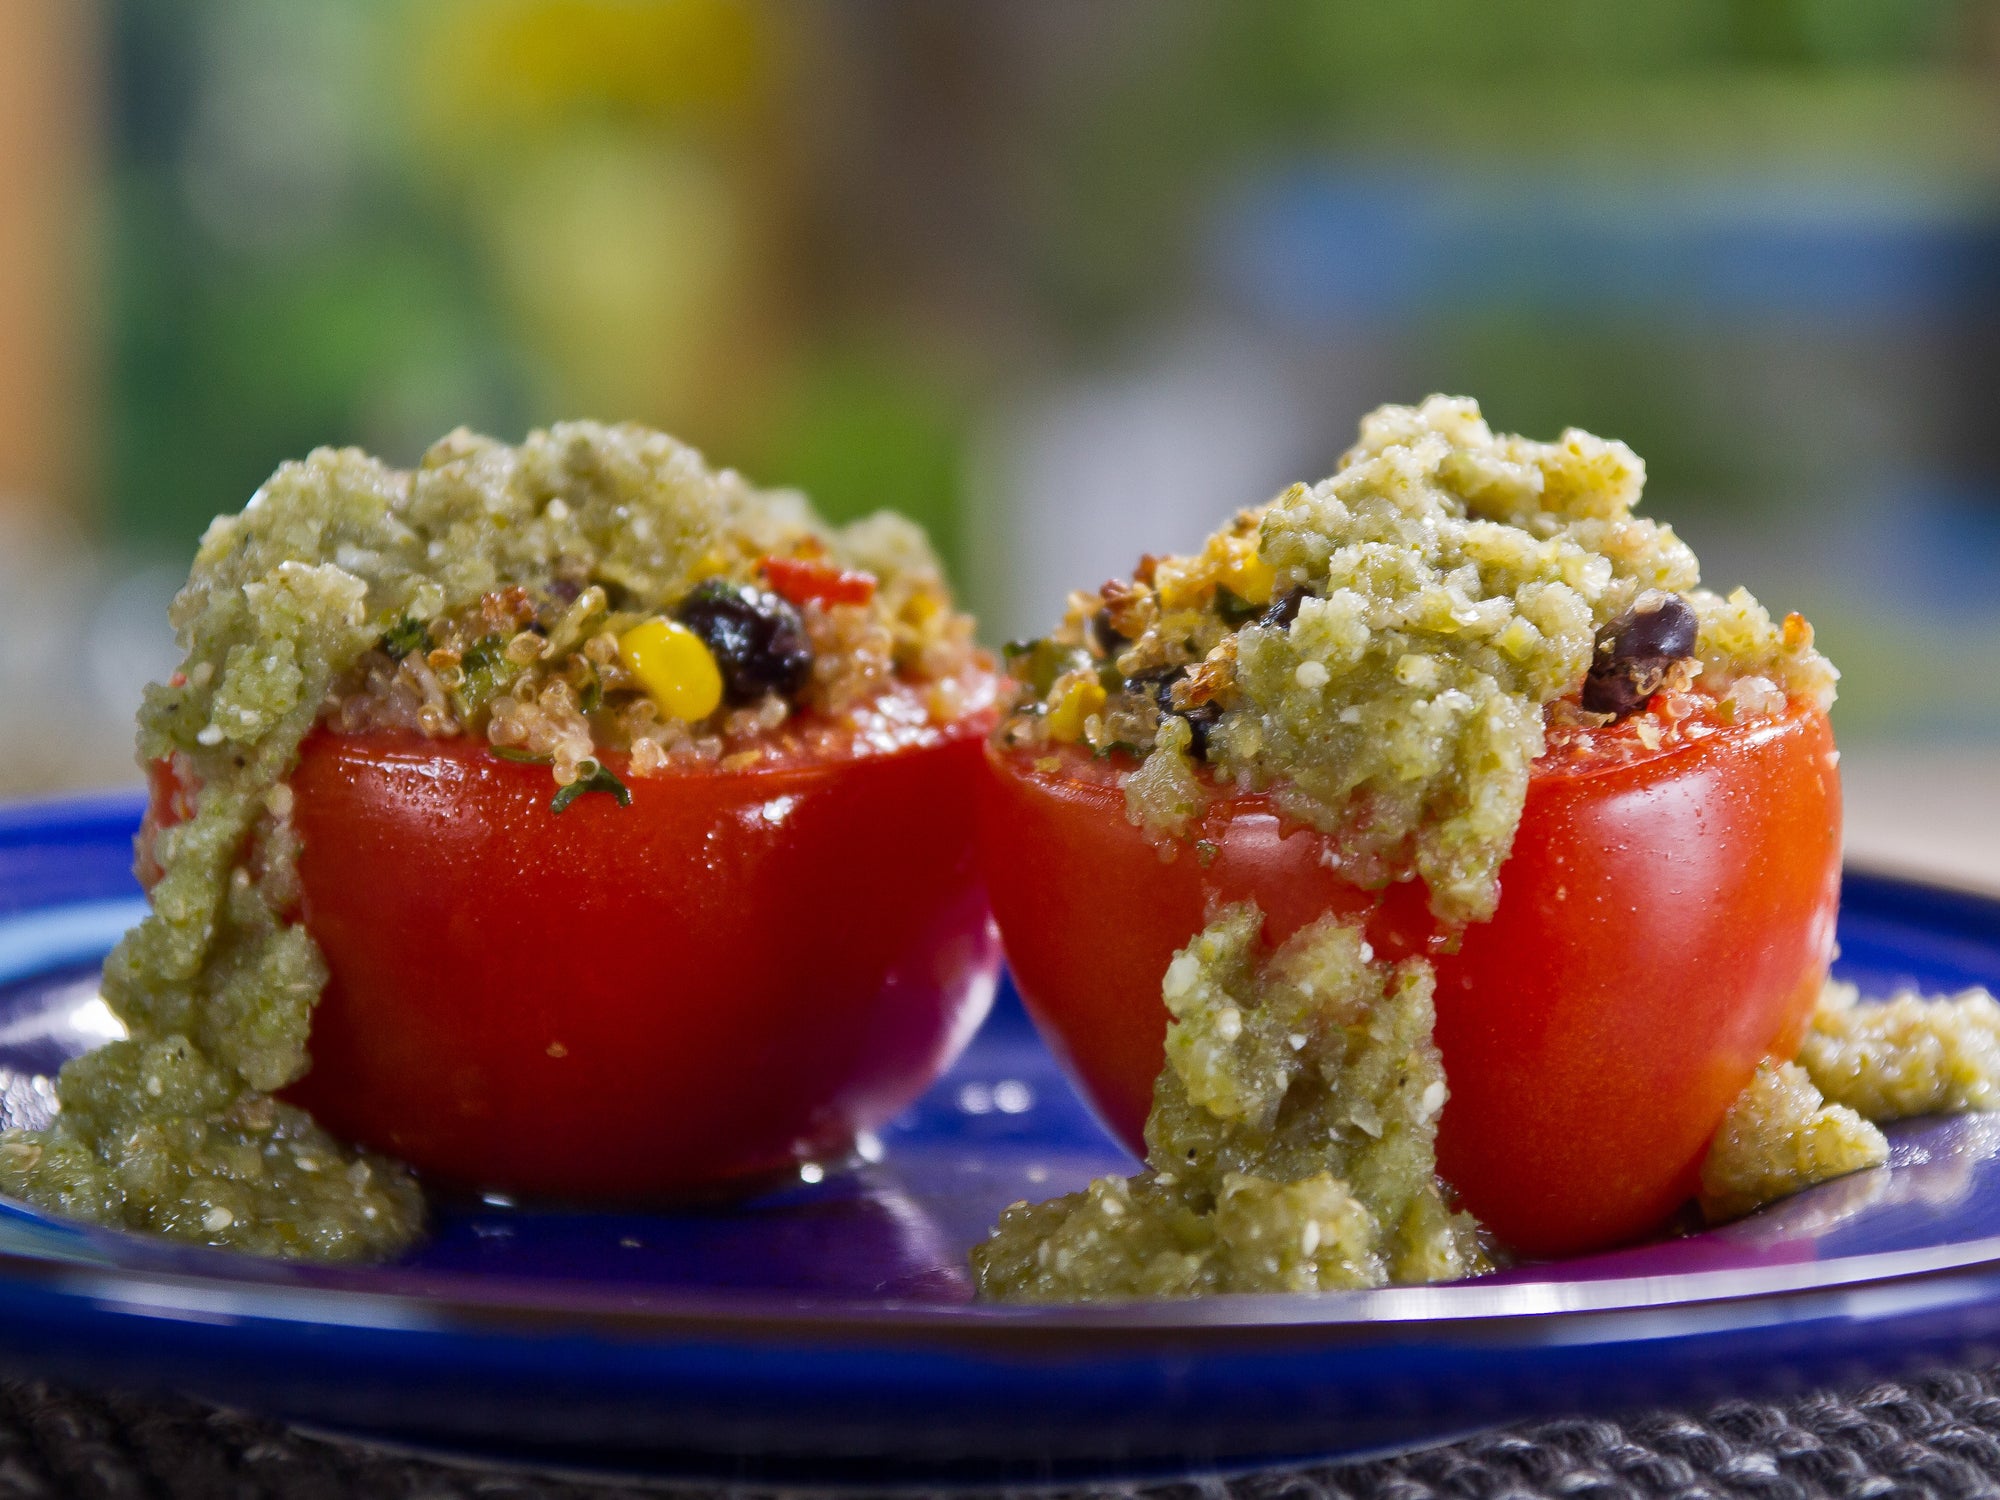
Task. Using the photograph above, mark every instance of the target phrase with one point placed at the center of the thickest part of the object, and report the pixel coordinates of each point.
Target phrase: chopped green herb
(1040, 663)
(591, 777)
(487, 674)
(519, 757)
(406, 635)
(1233, 607)
(592, 697)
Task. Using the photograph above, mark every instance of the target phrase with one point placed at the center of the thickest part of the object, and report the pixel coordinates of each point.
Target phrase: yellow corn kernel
(922, 607)
(1249, 577)
(674, 666)
(1082, 697)
(1181, 583)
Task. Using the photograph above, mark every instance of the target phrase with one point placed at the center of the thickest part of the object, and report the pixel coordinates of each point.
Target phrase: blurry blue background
(1062, 281)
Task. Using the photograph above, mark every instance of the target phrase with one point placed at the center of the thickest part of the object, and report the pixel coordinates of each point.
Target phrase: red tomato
(739, 970)
(1665, 923)
(803, 579)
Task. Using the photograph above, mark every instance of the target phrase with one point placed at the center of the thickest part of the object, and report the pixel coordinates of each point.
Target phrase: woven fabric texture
(1938, 1437)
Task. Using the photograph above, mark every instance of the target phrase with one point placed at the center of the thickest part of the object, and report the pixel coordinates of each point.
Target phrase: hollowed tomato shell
(739, 970)
(1664, 924)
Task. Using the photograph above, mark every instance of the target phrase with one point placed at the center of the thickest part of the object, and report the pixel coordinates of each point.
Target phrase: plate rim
(467, 1303)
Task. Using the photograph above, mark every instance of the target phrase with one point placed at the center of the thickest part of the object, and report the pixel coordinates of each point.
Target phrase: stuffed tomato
(1426, 869)
(568, 819)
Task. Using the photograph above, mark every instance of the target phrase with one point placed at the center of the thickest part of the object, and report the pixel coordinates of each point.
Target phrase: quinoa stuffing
(1389, 650)
(596, 599)
(1387, 653)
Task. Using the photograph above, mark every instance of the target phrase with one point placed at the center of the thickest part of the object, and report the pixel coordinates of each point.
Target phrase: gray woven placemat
(1933, 1437)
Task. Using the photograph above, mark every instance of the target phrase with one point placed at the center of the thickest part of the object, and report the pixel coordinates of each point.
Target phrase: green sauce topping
(1291, 1145)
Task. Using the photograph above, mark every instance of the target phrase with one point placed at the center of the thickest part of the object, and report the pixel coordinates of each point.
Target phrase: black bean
(1107, 636)
(757, 639)
(1284, 609)
(1658, 625)
(1200, 719)
(1636, 651)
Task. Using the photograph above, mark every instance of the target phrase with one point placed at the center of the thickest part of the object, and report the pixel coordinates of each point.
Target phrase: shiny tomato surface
(1665, 922)
(739, 970)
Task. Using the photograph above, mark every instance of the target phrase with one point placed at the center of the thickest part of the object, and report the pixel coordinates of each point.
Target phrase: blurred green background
(1061, 280)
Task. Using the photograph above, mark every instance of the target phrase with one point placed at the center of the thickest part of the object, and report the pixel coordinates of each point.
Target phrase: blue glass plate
(826, 1331)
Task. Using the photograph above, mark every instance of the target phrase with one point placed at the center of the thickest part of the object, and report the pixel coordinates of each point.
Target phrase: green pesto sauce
(174, 1131)
(1862, 1064)
(1291, 1145)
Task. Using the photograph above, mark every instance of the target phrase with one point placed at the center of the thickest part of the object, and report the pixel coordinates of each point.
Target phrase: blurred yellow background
(1059, 280)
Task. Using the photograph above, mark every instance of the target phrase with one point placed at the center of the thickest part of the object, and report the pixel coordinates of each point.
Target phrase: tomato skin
(620, 1004)
(1663, 926)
